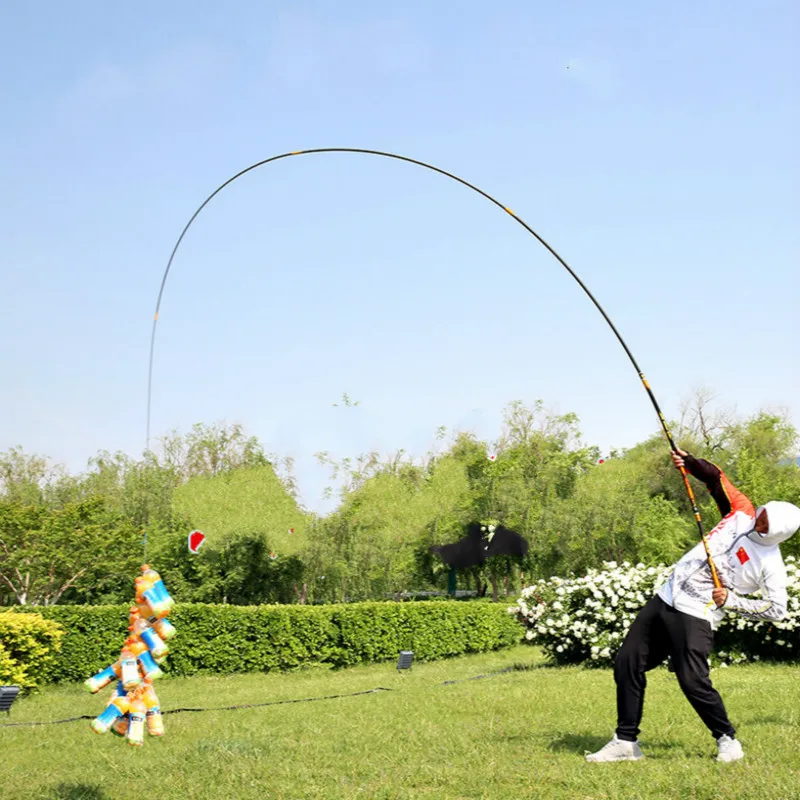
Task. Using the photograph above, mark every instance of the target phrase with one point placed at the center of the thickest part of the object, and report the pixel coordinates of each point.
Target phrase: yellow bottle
(144, 632)
(102, 679)
(120, 727)
(137, 714)
(135, 645)
(151, 594)
(164, 628)
(130, 670)
(116, 708)
(155, 722)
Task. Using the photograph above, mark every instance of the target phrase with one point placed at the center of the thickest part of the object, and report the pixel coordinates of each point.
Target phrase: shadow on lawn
(771, 719)
(78, 791)
(577, 743)
(582, 743)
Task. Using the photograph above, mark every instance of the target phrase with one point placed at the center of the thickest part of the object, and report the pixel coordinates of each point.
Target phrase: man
(680, 619)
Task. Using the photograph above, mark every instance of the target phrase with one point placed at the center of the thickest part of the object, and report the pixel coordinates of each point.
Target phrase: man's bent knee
(627, 664)
(694, 685)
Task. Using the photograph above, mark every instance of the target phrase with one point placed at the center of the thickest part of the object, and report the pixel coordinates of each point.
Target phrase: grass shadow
(771, 719)
(579, 743)
(78, 791)
(522, 667)
(230, 748)
(582, 743)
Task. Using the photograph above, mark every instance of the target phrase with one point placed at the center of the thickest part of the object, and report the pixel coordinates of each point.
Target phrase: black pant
(657, 632)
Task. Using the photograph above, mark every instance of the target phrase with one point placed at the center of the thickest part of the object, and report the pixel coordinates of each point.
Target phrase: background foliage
(77, 539)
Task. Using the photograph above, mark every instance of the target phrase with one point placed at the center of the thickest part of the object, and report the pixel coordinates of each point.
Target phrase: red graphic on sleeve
(741, 554)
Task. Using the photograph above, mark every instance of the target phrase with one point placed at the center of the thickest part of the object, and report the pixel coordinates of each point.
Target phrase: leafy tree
(704, 422)
(209, 450)
(142, 491)
(617, 512)
(537, 461)
(378, 541)
(243, 501)
(49, 552)
(247, 514)
(245, 571)
(32, 479)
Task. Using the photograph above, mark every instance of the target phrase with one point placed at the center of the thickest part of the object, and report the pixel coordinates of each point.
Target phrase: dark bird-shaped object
(479, 544)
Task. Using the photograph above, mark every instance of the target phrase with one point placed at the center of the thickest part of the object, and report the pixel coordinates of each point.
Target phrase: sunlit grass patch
(440, 731)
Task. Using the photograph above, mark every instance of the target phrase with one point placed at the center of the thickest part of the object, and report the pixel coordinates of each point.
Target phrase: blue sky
(650, 144)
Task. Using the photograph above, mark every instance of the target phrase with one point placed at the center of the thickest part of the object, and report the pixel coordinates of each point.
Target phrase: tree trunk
(301, 596)
(495, 593)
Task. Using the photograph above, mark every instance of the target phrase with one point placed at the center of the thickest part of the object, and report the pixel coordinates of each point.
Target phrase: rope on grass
(512, 668)
(49, 722)
(220, 708)
(281, 702)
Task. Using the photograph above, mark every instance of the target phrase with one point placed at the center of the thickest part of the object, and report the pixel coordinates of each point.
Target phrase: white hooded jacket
(747, 562)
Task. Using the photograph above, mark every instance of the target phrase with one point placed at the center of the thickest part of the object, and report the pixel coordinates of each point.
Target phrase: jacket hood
(783, 519)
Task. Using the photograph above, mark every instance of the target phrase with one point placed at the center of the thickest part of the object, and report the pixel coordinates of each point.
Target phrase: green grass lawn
(521, 734)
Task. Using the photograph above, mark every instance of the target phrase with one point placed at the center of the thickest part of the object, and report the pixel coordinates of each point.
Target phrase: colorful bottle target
(134, 705)
(155, 722)
(148, 667)
(115, 709)
(130, 670)
(120, 727)
(137, 714)
(152, 594)
(164, 628)
(152, 641)
(102, 679)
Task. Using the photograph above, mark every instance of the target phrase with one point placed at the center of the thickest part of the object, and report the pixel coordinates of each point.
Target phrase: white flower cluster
(585, 619)
(744, 639)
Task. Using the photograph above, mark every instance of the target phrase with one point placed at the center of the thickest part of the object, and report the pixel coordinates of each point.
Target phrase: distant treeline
(79, 538)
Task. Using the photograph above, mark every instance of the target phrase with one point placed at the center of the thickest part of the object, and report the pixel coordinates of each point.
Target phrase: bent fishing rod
(531, 231)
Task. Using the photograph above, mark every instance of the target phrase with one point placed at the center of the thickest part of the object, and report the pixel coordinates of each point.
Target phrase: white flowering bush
(741, 639)
(583, 620)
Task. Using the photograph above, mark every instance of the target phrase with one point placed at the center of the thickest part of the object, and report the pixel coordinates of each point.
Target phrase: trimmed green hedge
(225, 639)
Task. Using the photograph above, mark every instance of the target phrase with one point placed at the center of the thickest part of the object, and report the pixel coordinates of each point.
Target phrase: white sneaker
(729, 749)
(617, 750)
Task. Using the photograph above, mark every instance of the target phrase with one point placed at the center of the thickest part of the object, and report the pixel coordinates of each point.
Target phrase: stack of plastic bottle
(135, 702)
